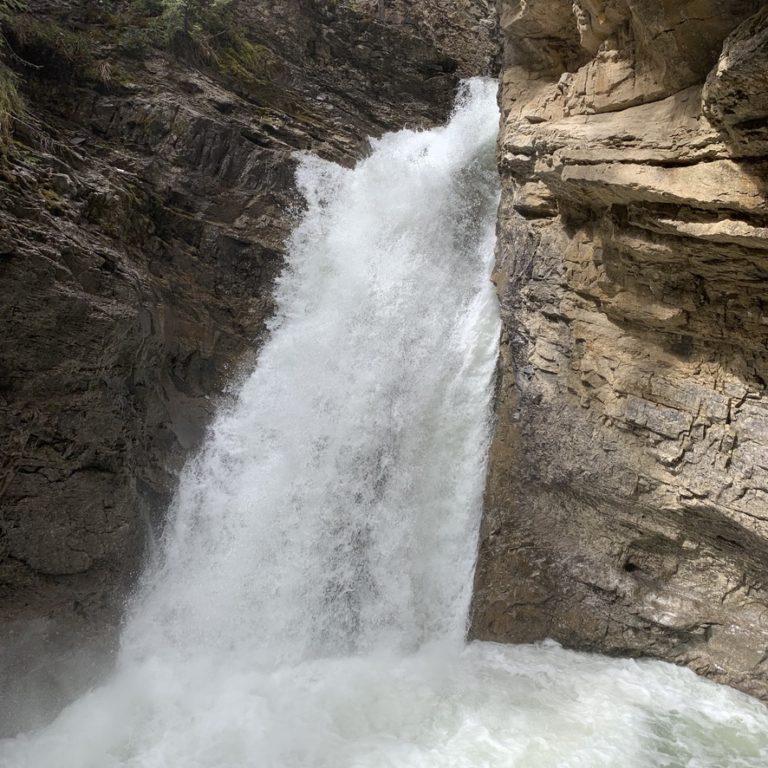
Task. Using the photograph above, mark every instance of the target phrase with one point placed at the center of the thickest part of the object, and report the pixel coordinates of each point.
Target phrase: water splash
(309, 606)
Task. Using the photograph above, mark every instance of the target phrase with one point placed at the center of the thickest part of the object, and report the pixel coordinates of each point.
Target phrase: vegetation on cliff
(11, 101)
(201, 33)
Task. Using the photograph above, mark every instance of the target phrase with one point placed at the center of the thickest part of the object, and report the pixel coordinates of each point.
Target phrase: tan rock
(627, 502)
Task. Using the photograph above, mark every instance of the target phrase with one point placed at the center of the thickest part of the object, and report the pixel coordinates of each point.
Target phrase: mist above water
(308, 606)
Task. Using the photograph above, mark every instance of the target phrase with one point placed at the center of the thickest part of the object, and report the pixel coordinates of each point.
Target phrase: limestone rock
(736, 92)
(627, 502)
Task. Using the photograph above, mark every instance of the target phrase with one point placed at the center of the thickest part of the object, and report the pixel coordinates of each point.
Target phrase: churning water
(308, 608)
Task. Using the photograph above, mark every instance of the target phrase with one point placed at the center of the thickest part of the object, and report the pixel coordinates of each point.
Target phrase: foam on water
(486, 706)
(309, 603)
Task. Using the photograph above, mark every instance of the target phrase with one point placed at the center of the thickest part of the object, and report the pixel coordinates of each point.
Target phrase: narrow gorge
(247, 387)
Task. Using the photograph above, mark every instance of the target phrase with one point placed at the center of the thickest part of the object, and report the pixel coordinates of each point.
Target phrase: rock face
(467, 28)
(627, 505)
(143, 213)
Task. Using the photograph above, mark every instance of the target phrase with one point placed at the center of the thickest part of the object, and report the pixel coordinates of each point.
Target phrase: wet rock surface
(143, 217)
(627, 505)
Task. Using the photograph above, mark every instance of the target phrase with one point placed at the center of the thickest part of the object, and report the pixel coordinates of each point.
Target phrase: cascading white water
(334, 508)
(309, 605)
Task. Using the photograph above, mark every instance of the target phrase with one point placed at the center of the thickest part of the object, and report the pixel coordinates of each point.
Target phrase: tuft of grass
(11, 103)
(50, 195)
(9, 7)
(245, 61)
(56, 52)
(135, 40)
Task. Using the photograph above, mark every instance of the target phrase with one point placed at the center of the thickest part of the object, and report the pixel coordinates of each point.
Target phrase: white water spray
(309, 607)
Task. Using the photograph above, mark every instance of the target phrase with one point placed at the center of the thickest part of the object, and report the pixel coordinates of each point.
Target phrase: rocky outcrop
(627, 505)
(467, 28)
(735, 96)
(144, 205)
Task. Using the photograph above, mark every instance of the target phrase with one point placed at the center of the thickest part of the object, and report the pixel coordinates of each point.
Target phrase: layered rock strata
(627, 504)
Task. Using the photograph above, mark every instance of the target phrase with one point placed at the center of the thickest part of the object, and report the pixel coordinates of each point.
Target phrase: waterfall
(308, 605)
(334, 507)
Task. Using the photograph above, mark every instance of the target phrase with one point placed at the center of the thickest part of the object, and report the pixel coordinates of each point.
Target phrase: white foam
(488, 706)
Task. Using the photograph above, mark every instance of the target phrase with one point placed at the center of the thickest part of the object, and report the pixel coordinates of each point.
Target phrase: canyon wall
(627, 502)
(145, 199)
